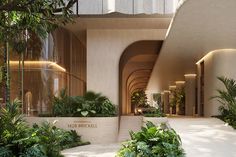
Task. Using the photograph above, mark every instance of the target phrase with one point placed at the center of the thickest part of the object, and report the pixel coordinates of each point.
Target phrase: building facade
(117, 47)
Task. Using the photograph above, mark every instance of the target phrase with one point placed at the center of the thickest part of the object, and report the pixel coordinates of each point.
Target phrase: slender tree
(19, 17)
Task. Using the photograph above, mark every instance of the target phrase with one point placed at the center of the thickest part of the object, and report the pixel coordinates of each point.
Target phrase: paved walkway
(205, 137)
(108, 150)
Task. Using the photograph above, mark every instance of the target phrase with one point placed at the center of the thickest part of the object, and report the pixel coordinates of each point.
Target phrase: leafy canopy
(37, 16)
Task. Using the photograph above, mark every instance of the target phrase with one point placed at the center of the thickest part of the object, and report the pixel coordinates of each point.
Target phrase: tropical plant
(17, 139)
(153, 141)
(227, 98)
(177, 99)
(19, 19)
(90, 105)
(49, 135)
(173, 97)
(157, 99)
(139, 99)
(64, 105)
(153, 112)
(95, 104)
(181, 100)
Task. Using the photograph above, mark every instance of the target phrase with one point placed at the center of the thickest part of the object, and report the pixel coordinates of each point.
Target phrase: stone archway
(135, 68)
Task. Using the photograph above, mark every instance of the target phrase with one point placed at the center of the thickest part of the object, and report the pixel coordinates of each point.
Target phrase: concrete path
(108, 150)
(205, 137)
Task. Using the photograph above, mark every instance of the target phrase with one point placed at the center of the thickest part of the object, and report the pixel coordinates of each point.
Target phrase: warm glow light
(180, 82)
(49, 63)
(166, 91)
(171, 87)
(211, 52)
(190, 75)
(140, 110)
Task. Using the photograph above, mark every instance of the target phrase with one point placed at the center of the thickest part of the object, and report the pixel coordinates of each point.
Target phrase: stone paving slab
(205, 137)
(103, 150)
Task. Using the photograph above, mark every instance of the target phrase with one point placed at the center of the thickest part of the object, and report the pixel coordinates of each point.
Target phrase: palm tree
(227, 97)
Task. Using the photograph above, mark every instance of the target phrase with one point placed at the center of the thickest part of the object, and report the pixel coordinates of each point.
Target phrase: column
(190, 94)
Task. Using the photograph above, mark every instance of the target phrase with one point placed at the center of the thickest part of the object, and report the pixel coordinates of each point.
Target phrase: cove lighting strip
(179, 82)
(49, 63)
(211, 52)
(190, 75)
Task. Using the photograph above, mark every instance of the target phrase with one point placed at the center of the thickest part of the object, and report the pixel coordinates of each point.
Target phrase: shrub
(90, 105)
(153, 112)
(152, 141)
(19, 140)
(227, 98)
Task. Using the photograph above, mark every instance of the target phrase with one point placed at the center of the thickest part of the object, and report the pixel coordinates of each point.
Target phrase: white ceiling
(198, 27)
(81, 24)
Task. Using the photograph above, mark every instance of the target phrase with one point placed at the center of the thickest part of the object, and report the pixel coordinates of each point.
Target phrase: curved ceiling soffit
(140, 79)
(139, 71)
(137, 48)
(137, 85)
(192, 35)
(137, 89)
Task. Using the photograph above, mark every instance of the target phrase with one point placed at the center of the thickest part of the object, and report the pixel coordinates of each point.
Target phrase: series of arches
(135, 68)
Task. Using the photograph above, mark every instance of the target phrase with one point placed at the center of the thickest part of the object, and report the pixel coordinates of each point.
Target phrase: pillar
(166, 102)
(190, 94)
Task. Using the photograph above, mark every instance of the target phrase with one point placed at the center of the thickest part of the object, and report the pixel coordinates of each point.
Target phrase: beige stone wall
(104, 49)
(218, 63)
(95, 130)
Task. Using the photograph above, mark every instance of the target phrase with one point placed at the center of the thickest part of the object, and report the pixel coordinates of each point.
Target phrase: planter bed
(93, 129)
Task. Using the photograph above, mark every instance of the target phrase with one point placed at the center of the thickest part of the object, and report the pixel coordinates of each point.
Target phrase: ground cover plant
(90, 105)
(153, 141)
(153, 112)
(227, 97)
(17, 139)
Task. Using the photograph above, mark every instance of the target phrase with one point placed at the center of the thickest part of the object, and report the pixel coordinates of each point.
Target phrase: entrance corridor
(205, 137)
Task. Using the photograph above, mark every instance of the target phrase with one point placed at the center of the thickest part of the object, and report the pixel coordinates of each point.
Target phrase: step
(128, 123)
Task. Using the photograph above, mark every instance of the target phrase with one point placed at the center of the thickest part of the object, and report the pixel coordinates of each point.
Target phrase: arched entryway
(135, 68)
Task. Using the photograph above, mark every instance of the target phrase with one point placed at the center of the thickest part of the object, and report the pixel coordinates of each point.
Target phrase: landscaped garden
(17, 139)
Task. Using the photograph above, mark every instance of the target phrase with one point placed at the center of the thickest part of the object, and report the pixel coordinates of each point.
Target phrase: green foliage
(177, 98)
(64, 105)
(157, 99)
(153, 112)
(152, 141)
(48, 135)
(139, 99)
(227, 98)
(90, 105)
(20, 20)
(17, 139)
